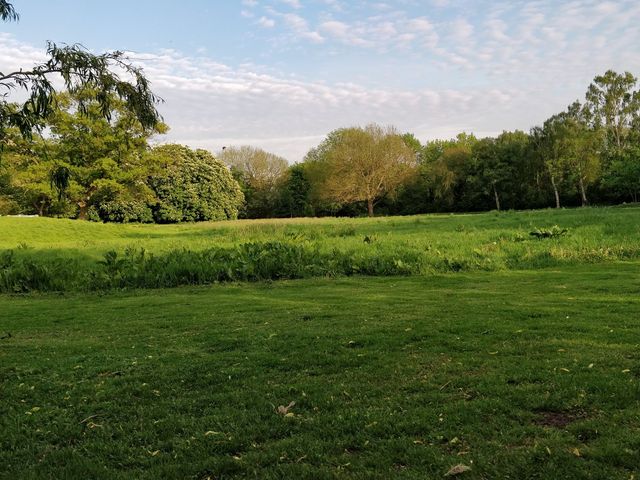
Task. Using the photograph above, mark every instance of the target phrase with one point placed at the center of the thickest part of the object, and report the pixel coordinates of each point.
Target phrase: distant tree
(191, 185)
(261, 174)
(110, 76)
(296, 201)
(316, 172)
(26, 187)
(613, 104)
(550, 140)
(365, 164)
(447, 165)
(413, 143)
(492, 169)
(622, 178)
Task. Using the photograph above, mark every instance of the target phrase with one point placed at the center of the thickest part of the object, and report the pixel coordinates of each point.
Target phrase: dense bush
(192, 186)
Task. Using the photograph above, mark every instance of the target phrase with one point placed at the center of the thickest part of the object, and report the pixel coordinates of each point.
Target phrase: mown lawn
(515, 374)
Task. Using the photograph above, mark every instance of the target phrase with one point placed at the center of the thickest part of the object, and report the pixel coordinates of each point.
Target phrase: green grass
(524, 363)
(447, 231)
(517, 374)
(62, 255)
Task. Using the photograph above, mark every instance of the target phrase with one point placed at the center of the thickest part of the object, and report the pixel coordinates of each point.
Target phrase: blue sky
(280, 74)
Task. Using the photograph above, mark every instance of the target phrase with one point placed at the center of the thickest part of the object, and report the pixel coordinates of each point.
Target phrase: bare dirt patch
(557, 419)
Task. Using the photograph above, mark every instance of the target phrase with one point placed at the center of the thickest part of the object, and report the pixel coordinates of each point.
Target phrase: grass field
(38, 254)
(522, 363)
(515, 374)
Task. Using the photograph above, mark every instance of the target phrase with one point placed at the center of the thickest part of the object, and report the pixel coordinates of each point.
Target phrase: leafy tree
(550, 140)
(491, 169)
(447, 165)
(613, 104)
(111, 76)
(623, 175)
(315, 167)
(262, 176)
(365, 164)
(26, 187)
(413, 143)
(103, 160)
(191, 186)
(296, 200)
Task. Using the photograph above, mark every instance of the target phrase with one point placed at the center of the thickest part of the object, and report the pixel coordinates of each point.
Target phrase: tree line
(86, 153)
(589, 153)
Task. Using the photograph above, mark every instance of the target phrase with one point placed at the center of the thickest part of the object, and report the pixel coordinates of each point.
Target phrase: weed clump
(553, 232)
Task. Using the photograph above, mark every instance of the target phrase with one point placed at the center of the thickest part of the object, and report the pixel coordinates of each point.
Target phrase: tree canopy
(365, 164)
(108, 76)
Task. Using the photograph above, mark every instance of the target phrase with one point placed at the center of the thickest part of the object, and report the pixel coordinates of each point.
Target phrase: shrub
(193, 186)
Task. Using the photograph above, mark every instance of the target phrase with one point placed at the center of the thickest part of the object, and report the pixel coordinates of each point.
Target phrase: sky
(281, 74)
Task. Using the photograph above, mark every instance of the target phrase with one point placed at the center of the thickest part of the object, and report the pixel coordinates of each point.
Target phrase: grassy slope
(51, 255)
(400, 377)
(597, 226)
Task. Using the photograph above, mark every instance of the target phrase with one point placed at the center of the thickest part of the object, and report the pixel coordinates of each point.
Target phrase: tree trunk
(495, 194)
(555, 191)
(583, 193)
(40, 208)
(370, 206)
(82, 210)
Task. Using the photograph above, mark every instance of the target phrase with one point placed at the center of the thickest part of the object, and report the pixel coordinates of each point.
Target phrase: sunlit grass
(51, 254)
(529, 374)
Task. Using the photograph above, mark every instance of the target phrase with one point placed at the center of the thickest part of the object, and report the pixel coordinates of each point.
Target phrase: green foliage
(192, 186)
(80, 71)
(7, 12)
(622, 176)
(97, 166)
(262, 177)
(362, 165)
(296, 193)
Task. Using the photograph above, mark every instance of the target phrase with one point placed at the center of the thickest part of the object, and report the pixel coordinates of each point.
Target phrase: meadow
(419, 347)
(39, 254)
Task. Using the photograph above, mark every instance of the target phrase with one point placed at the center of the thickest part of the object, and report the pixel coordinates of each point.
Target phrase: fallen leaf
(457, 470)
(576, 452)
(282, 410)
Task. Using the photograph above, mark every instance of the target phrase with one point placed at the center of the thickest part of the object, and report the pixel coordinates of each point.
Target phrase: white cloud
(292, 3)
(266, 22)
(503, 66)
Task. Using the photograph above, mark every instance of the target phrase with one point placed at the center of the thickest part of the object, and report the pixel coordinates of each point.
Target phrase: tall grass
(78, 256)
